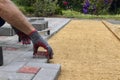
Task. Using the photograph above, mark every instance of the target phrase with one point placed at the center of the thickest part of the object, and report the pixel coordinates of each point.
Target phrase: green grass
(74, 14)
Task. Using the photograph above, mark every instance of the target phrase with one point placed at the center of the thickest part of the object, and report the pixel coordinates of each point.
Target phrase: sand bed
(86, 50)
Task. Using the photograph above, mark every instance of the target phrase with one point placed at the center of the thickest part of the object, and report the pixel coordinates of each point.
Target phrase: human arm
(11, 14)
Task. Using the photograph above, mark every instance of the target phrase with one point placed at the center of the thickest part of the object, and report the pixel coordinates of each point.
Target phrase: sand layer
(86, 50)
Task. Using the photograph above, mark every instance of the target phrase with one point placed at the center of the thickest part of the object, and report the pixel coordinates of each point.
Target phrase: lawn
(74, 14)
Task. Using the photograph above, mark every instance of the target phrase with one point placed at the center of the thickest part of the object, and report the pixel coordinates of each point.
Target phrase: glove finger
(23, 41)
(28, 41)
(50, 53)
(35, 49)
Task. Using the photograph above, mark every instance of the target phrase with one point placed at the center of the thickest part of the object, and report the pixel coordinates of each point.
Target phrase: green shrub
(24, 2)
(22, 9)
(45, 8)
(58, 10)
(29, 10)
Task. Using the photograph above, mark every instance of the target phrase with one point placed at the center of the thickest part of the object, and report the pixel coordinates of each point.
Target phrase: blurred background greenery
(71, 8)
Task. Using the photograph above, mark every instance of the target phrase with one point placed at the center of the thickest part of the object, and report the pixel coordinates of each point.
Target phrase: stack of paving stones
(18, 61)
(6, 30)
(39, 23)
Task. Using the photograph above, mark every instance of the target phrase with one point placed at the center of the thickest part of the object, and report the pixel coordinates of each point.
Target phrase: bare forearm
(10, 13)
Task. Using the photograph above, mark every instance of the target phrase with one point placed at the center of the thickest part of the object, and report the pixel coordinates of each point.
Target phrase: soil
(86, 50)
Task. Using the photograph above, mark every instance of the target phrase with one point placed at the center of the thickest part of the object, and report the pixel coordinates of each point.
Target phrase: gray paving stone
(10, 56)
(44, 65)
(31, 19)
(40, 25)
(3, 78)
(24, 57)
(8, 38)
(39, 60)
(13, 67)
(15, 76)
(46, 74)
(18, 47)
(21, 56)
(56, 24)
(6, 31)
(114, 21)
(28, 57)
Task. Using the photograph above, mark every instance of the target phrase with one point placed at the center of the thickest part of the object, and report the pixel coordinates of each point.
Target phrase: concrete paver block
(3, 78)
(28, 69)
(13, 67)
(21, 56)
(11, 48)
(40, 25)
(15, 76)
(32, 19)
(3, 38)
(28, 57)
(44, 65)
(11, 56)
(6, 31)
(39, 60)
(46, 74)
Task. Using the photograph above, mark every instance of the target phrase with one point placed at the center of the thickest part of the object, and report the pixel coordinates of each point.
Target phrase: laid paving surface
(19, 63)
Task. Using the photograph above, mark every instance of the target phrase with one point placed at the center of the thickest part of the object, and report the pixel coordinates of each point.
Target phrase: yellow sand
(86, 50)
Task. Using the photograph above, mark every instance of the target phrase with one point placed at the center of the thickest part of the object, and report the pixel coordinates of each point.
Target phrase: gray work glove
(38, 41)
(25, 39)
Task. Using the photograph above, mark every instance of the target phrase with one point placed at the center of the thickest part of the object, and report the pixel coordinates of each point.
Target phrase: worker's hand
(38, 41)
(48, 54)
(2, 22)
(25, 39)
